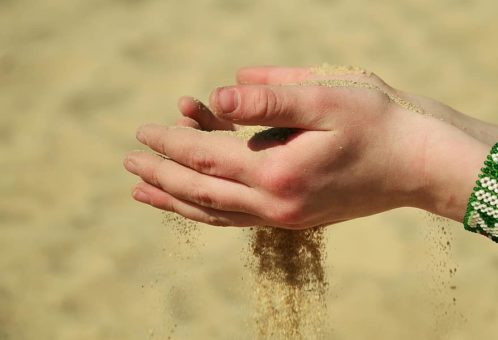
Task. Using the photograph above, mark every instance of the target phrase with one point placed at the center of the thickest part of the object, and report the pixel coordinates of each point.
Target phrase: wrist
(452, 165)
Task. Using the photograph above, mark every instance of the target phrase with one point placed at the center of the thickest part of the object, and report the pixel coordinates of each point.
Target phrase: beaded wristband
(482, 210)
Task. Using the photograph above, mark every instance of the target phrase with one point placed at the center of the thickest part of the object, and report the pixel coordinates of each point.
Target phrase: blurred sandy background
(80, 260)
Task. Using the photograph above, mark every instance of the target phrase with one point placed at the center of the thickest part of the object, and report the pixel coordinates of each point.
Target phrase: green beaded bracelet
(482, 210)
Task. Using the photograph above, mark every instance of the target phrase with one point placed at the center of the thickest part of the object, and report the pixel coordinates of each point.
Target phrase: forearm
(487, 133)
(484, 132)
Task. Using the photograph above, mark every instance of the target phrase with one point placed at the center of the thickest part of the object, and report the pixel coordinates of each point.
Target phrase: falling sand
(438, 239)
(290, 282)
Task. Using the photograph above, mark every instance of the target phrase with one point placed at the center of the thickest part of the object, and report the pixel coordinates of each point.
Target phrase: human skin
(356, 153)
(199, 116)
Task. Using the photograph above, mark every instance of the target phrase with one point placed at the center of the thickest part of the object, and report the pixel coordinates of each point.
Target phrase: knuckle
(202, 162)
(285, 187)
(203, 197)
(155, 176)
(288, 213)
(274, 101)
(281, 182)
(162, 145)
(168, 205)
(264, 103)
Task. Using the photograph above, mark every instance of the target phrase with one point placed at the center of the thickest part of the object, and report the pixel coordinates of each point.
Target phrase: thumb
(288, 106)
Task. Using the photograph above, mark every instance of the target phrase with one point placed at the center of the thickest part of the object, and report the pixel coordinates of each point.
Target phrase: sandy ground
(80, 260)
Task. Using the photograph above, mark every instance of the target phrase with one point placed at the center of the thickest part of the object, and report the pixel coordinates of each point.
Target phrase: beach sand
(80, 260)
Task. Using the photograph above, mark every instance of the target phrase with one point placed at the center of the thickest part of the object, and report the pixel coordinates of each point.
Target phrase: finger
(190, 185)
(188, 122)
(304, 107)
(197, 111)
(272, 75)
(217, 155)
(157, 198)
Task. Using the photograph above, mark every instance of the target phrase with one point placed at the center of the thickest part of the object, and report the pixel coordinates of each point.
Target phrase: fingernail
(141, 196)
(130, 164)
(228, 99)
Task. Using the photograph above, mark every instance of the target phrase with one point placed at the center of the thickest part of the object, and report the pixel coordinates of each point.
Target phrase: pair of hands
(355, 153)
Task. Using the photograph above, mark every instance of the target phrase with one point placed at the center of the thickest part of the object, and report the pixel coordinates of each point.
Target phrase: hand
(355, 153)
(199, 116)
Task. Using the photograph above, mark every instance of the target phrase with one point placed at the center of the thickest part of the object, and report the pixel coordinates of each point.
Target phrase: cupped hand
(354, 151)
